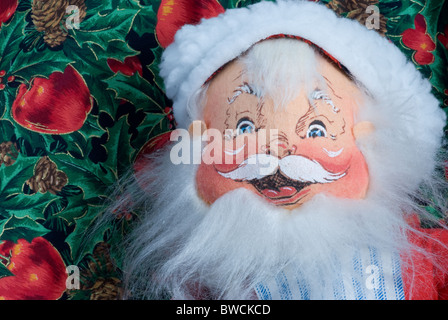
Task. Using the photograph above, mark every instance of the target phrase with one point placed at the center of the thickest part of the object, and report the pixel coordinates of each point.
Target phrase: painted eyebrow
(244, 88)
(318, 94)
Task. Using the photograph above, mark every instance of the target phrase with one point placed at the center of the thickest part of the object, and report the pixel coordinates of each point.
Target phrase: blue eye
(245, 126)
(316, 129)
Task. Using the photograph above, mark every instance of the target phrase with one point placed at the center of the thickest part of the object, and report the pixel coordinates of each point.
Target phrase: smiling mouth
(280, 189)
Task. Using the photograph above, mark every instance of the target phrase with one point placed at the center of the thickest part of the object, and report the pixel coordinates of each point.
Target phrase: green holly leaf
(145, 21)
(63, 212)
(155, 4)
(11, 35)
(96, 5)
(13, 200)
(138, 91)
(13, 177)
(70, 191)
(228, 4)
(242, 3)
(86, 234)
(14, 228)
(94, 63)
(92, 179)
(102, 28)
(6, 130)
(71, 209)
(25, 65)
(25, 205)
(154, 124)
(154, 67)
(35, 144)
(7, 96)
(77, 142)
(100, 5)
(4, 271)
(119, 136)
(390, 8)
(129, 145)
(118, 50)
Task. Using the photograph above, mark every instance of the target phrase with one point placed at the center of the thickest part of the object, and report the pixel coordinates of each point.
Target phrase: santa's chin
(186, 249)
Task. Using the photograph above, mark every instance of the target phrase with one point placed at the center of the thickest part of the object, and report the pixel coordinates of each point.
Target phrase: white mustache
(295, 167)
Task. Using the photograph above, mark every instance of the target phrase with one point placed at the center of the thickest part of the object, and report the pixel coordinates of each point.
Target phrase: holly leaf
(100, 29)
(97, 5)
(70, 191)
(80, 244)
(92, 179)
(129, 144)
(15, 61)
(229, 4)
(11, 35)
(26, 66)
(70, 209)
(119, 50)
(94, 63)
(145, 21)
(13, 177)
(154, 67)
(100, 5)
(62, 213)
(14, 228)
(137, 90)
(119, 136)
(155, 4)
(4, 271)
(6, 130)
(153, 124)
(24, 205)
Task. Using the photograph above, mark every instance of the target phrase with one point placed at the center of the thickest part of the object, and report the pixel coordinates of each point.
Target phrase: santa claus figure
(306, 144)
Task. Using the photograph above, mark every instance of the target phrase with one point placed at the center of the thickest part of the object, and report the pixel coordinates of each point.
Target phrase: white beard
(188, 250)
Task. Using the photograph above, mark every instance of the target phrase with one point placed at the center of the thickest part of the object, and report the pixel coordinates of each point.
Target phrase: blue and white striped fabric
(368, 275)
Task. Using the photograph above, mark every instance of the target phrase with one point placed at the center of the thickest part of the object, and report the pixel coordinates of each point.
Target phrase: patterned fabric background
(78, 105)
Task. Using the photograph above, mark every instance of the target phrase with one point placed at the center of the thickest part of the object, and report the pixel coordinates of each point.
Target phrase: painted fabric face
(288, 153)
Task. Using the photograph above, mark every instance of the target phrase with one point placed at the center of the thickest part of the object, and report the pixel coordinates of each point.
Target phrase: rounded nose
(280, 149)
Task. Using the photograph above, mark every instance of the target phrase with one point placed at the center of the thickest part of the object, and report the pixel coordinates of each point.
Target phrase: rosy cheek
(231, 152)
(338, 158)
(211, 185)
(223, 156)
(355, 184)
(333, 157)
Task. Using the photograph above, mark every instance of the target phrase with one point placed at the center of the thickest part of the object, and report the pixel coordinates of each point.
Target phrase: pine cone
(101, 279)
(106, 289)
(8, 153)
(357, 10)
(47, 177)
(49, 15)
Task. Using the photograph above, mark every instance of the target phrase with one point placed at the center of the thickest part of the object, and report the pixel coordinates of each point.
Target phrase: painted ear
(173, 14)
(362, 129)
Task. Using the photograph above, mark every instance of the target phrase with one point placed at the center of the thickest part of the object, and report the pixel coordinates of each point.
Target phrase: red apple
(39, 272)
(57, 105)
(7, 9)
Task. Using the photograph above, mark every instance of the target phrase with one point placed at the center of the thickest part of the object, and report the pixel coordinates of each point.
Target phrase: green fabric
(78, 106)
